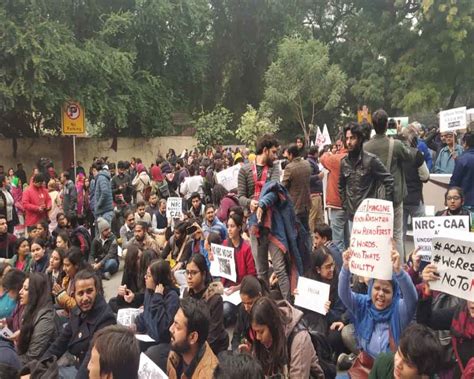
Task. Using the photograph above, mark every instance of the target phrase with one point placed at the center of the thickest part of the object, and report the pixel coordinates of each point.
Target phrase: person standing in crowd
(104, 253)
(251, 178)
(223, 200)
(7, 205)
(122, 183)
(68, 195)
(416, 173)
(447, 155)
(316, 212)
(141, 182)
(38, 327)
(393, 154)
(191, 356)
(337, 217)
(115, 354)
(361, 172)
(193, 183)
(36, 202)
(180, 173)
(296, 179)
(7, 240)
(92, 314)
(463, 174)
(56, 207)
(103, 205)
(21, 174)
(80, 180)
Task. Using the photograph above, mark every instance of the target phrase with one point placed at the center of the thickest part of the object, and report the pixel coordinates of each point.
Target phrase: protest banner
(223, 262)
(312, 295)
(174, 207)
(453, 256)
(371, 239)
(228, 177)
(426, 228)
(452, 119)
(233, 298)
(147, 369)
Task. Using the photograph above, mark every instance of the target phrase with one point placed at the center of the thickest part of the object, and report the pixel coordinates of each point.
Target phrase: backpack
(321, 346)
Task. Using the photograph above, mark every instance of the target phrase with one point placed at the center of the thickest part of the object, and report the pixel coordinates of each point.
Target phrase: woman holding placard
(244, 265)
(380, 316)
(200, 286)
(323, 269)
(459, 319)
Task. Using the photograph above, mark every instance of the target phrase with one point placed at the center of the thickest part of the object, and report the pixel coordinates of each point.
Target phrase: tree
(302, 79)
(213, 129)
(254, 124)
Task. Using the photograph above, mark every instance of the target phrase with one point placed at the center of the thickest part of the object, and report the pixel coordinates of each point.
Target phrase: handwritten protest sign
(454, 258)
(426, 228)
(452, 119)
(371, 239)
(127, 316)
(312, 295)
(147, 369)
(223, 262)
(174, 207)
(228, 177)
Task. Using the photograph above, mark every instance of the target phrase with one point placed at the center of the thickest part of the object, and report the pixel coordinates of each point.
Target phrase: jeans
(398, 229)
(339, 226)
(67, 372)
(260, 249)
(111, 265)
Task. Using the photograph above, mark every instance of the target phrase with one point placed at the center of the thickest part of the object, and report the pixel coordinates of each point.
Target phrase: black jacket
(76, 337)
(359, 180)
(126, 182)
(101, 253)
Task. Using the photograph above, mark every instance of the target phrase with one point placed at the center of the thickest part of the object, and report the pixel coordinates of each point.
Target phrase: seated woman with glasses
(454, 202)
(200, 286)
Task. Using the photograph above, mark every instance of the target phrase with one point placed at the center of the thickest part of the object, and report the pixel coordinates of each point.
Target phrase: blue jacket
(445, 162)
(158, 314)
(285, 229)
(217, 226)
(426, 153)
(379, 342)
(463, 176)
(102, 194)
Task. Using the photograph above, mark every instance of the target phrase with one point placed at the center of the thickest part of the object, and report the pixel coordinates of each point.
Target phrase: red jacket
(244, 262)
(332, 162)
(33, 198)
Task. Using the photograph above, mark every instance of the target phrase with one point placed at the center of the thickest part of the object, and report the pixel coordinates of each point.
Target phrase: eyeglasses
(455, 198)
(192, 272)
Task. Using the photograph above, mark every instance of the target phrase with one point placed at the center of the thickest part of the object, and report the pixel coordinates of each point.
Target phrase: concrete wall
(59, 149)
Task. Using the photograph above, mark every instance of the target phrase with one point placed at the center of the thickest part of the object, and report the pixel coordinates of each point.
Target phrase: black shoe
(345, 361)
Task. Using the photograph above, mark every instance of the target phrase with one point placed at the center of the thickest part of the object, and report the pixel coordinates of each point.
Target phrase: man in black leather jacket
(361, 173)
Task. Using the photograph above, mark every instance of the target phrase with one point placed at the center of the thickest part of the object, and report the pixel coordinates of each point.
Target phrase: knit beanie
(102, 224)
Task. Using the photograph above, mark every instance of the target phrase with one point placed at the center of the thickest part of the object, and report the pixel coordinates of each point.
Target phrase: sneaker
(345, 361)
(107, 276)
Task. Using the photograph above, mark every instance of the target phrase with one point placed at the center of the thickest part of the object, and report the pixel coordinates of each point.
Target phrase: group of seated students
(59, 322)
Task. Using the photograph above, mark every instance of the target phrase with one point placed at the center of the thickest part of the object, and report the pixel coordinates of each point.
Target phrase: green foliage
(213, 128)
(303, 79)
(254, 124)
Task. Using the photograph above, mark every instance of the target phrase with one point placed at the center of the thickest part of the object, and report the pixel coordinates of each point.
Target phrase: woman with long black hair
(37, 330)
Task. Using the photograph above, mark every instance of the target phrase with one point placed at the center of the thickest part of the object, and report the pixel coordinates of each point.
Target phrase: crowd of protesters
(63, 233)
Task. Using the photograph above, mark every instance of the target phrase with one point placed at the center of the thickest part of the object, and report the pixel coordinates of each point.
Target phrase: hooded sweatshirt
(302, 356)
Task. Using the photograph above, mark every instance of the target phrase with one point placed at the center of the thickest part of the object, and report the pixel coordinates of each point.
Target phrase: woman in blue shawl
(380, 316)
